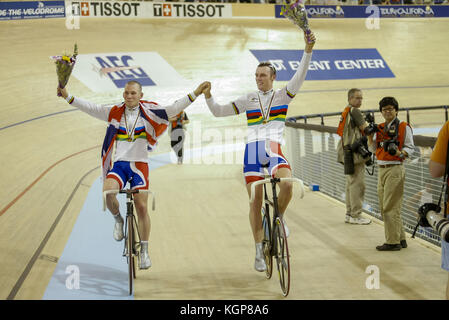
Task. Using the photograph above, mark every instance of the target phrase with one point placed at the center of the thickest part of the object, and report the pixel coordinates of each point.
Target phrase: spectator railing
(312, 151)
(333, 114)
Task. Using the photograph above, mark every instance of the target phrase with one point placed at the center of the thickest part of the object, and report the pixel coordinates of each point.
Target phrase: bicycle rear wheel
(266, 244)
(282, 256)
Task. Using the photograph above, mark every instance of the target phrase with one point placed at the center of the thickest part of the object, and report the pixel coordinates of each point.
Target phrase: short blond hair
(135, 82)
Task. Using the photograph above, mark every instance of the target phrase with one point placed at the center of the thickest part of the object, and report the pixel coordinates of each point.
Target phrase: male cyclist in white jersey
(266, 110)
(133, 126)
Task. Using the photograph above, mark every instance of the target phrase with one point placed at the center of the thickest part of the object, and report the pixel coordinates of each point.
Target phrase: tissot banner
(336, 64)
(191, 10)
(137, 9)
(113, 9)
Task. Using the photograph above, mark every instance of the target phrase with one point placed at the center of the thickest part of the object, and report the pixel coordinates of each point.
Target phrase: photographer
(437, 165)
(393, 143)
(353, 153)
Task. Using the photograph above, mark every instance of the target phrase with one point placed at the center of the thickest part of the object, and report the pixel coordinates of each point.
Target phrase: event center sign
(328, 64)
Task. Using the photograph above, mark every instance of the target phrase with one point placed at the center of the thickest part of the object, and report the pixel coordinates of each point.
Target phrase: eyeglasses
(388, 109)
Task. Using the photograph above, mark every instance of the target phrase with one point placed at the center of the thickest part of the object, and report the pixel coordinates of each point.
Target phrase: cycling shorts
(136, 173)
(260, 154)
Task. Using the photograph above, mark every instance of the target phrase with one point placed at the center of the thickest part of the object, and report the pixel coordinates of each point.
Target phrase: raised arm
(298, 78)
(223, 110)
(98, 111)
(180, 104)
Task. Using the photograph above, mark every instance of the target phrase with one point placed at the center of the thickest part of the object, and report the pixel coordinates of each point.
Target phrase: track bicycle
(275, 240)
(131, 248)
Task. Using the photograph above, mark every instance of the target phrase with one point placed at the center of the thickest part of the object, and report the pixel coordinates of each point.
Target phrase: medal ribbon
(265, 116)
(130, 133)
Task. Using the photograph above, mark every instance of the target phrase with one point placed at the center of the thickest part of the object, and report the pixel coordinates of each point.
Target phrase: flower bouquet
(64, 67)
(296, 12)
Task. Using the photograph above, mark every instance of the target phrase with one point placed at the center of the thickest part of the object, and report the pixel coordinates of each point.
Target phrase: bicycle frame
(129, 191)
(274, 236)
(268, 180)
(274, 205)
(130, 230)
(130, 217)
(131, 226)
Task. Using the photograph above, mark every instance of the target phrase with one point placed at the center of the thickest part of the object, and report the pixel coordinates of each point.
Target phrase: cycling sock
(144, 246)
(117, 217)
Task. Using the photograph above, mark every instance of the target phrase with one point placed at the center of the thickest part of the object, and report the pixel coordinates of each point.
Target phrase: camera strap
(373, 162)
(394, 123)
(385, 132)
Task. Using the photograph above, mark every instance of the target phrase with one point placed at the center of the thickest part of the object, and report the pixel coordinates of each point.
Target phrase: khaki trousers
(355, 191)
(390, 190)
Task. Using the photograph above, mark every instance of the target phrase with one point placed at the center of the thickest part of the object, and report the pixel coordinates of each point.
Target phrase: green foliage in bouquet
(64, 66)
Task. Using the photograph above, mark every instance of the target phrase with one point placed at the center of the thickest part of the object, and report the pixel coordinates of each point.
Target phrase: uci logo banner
(110, 71)
(328, 64)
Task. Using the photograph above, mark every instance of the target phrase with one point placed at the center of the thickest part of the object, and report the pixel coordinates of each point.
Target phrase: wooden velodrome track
(201, 245)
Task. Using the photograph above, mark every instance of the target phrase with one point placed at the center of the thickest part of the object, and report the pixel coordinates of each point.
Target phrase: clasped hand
(203, 88)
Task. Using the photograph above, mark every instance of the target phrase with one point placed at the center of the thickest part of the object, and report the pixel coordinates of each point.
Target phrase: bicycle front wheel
(136, 246)
(282, 256)
(130, 249)
(266, 244)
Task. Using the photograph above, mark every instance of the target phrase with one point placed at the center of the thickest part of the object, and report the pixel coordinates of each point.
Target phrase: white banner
(103, 72)
(134, 9)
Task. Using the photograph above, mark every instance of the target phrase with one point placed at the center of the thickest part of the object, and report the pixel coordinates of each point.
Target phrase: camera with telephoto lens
(360, 147)
(348, 159)
(372, 127)
(429, 216)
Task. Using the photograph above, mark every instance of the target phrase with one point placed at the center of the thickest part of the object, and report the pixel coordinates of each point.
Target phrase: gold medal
(264, 121)
(129, 139)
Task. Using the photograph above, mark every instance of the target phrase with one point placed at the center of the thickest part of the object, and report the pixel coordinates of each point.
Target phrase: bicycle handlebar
(268, 180)
(105, 193)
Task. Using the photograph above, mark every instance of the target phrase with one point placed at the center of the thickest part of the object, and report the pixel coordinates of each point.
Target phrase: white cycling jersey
(265, 111)
(131, 124)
